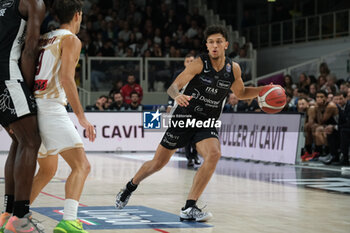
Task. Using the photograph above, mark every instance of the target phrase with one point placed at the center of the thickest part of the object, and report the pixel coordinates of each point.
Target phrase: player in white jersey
(54, 82)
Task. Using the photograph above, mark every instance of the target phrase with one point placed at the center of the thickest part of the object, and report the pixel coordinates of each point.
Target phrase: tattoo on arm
(173, 91)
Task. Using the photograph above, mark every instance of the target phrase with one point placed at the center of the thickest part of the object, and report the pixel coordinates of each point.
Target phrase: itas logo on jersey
(152, 120)
(211, 90)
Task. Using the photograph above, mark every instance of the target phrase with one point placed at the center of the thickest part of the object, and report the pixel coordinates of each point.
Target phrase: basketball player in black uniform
(20, 22)
(206, 82)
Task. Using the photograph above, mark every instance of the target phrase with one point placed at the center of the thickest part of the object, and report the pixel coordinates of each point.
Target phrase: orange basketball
(272, 99)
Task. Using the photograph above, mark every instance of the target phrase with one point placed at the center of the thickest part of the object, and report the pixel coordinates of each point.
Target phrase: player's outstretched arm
(71, 47)
(182, 79)
(238, 87)
(35, 11)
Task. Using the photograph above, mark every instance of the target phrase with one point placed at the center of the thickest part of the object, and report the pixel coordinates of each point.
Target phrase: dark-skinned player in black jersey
(206, 82)
(20, 22)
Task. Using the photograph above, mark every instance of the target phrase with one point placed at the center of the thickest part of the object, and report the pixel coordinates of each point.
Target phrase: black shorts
(180, 137)
(16, 101)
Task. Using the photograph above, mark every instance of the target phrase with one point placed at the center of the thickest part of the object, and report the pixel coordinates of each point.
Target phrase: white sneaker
(194, 214)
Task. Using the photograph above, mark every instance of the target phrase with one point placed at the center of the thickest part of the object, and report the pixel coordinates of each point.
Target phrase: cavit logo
(152, 120)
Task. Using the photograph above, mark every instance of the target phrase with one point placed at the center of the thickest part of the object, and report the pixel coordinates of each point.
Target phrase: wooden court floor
(242, 196)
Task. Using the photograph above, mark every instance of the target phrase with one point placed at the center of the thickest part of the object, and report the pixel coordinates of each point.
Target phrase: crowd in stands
(325, 101)
(126, 28)
(126, 97)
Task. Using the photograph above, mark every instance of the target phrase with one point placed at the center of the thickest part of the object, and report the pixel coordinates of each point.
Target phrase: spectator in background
(193, 30)
(288, 84)
(303, 105)
(294, 99)
(312, 90)
(303, 93)
(124, 34)
(344, 86)
(108, 103)
(120, 49)
(348, 96)
(330, 97)
(250, 105)
(290, 106)
(330, 85)
(303, 83)
(310, 80)
(116, 87)
(324, 70)
(130, 87)
(233, 104)
(338, 133)
(321, 82)
(118, 103)
(99, 105)
(242, 52)
(235, 51)
(321, 114)
(89, 46)
(135, 102)
(108, 49)
(343, 127)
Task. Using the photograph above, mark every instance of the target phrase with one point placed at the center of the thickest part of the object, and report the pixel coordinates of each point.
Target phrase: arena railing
(338, 62)
(301, 29)
(154, 74)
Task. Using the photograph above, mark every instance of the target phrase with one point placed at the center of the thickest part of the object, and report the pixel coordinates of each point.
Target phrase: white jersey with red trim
(47, 81)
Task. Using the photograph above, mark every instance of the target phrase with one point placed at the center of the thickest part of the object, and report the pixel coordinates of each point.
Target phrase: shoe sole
(195, 220)
(59, 230)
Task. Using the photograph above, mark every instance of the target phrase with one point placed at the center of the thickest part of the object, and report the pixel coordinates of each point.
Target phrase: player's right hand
(183, 100)
(89, 129)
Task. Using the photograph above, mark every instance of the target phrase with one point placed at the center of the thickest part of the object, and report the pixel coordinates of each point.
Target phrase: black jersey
(12, 30)
(209, 90)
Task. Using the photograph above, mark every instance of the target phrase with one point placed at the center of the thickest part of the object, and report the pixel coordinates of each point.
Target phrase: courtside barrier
(253, 136)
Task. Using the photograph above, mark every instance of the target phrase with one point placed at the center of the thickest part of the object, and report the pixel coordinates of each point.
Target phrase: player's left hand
(89, 129)
(183, 100)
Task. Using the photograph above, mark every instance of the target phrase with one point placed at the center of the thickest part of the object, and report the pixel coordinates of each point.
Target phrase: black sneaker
(122, 199)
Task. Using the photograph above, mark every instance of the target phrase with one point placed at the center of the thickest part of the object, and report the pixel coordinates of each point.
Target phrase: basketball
(272, 99)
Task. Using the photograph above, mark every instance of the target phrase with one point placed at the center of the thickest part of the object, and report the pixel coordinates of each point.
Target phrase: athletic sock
(190, 203)
(8, 203)
(20, 208)
(70, 209)
(130, 187)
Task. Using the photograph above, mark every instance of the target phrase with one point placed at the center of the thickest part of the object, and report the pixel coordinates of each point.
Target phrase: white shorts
(56, 129)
